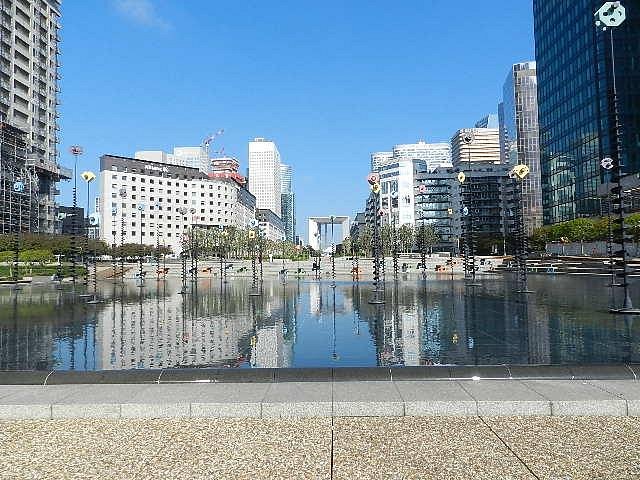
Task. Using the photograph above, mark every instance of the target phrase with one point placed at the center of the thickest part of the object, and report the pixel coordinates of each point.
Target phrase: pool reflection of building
(212, 328)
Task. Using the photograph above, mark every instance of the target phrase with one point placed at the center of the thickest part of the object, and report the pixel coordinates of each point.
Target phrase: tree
(347, 245)
(406, 238)
(365, 239)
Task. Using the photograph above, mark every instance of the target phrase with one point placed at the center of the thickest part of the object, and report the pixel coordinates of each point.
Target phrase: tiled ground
(363, 448)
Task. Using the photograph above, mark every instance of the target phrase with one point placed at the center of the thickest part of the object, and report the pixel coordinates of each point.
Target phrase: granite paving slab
(578, 398)
(244, 449)
(506, 397)
(79, 449)
(366, 399)
(574, 448)
(421, 448)
(298, 399)
(435, 398)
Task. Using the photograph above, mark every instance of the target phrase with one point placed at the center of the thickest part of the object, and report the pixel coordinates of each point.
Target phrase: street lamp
(609, 16)
(141, 207)
(518, 174)
(183, 257)
(88, 177)
(76, 151)
(255, 291)
(18, 189)
(333, 255)
(374, 182)
(123, 195)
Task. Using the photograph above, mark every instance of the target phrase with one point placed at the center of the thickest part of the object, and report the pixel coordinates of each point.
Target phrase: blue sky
(329, 81)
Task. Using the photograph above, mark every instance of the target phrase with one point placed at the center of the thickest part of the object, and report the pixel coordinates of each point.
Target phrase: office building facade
(484, 146)
(148, 199)
(29, 96)
(190, 157)
(575, 102)
(380, 159)
(519, 135)
(270, 225)
(264, 174)
(488, 121)
(288, 202)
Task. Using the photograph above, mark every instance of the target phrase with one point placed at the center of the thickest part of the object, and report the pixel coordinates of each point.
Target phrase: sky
(329, 81)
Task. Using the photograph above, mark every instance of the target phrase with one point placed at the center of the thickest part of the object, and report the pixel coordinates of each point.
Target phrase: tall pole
(374, 181)
(140, 270)
(76, 150)
(333, 255)
(612, 15)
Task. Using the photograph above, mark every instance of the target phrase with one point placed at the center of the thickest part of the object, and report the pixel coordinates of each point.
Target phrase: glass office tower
(518, 118)
(575, 102)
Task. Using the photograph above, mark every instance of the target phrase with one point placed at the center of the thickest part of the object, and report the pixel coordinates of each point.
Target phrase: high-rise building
(190, 157)
(575, 102)
(288, 202)
(380, 159)
(519, 135)
(484, 146)
(488, 121)
(433, 154)
(29, 95)
(264, 174)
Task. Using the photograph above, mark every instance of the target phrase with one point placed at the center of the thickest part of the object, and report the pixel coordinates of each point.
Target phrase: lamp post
(18, 189)
(255, 291)
(394, 235)
(123, 195)
(183, 254)
(76, 151)
(114, 212)
(518, 174)
(88, 177)
(194, 247)
(333, 256)
(141, 207)
(374, 182)
(611, 15)
(468, 139)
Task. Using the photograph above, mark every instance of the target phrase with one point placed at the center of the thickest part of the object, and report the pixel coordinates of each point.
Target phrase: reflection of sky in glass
(310, 324)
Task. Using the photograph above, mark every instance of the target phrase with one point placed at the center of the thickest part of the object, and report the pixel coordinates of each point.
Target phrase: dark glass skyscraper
(575, 102)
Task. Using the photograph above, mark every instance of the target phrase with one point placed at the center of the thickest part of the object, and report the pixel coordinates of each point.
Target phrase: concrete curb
(336, 399)
(343, 374)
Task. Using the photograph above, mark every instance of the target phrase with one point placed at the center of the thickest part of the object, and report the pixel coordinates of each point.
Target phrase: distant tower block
(315, 232)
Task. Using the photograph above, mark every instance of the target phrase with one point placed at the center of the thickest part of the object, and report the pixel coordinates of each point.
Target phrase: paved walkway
(390, 398)
(323, 448)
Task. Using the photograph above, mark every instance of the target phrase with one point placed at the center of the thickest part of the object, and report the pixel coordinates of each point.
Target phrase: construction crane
(210, 139)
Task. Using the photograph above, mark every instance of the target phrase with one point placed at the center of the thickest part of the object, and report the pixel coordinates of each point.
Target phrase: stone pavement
(350, 448)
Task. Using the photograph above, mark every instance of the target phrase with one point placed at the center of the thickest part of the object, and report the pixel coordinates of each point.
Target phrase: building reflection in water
(308, 323)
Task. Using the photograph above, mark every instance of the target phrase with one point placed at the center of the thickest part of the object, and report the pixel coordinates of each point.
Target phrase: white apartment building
(270, 225)
(380, 159)
(484, 146)
(157, 203)
(435, 155)
(29, 94)
(396, 193)
(264, 174)
(192, 157)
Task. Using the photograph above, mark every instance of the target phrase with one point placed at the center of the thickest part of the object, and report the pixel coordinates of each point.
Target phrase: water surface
(308, 323)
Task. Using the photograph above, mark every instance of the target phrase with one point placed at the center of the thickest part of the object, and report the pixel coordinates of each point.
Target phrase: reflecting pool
(306, 323)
